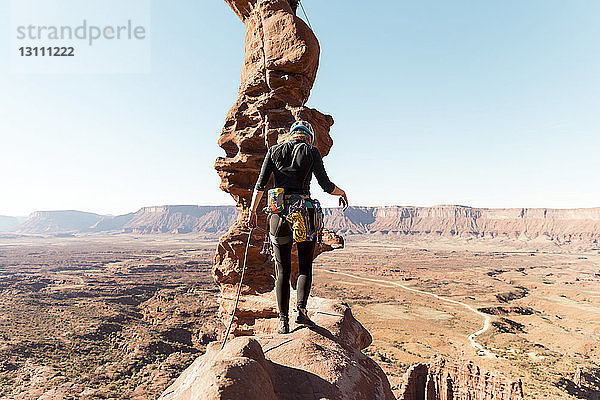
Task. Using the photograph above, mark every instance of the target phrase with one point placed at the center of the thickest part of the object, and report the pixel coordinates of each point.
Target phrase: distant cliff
(164, 219)
(171, 219)
(55, 222)
(9, 223)
(568, 224)
(530, 223)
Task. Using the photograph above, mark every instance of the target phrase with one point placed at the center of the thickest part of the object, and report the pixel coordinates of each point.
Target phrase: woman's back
(292, 164)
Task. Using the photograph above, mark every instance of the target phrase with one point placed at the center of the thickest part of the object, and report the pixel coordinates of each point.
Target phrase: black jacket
(293, 164)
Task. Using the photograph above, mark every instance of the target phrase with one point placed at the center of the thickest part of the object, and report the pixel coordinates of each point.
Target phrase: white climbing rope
(239, 292)
(305, 15)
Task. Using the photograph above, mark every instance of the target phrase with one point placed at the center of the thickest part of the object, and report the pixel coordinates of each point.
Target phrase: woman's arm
(261, 184)
(325, 182)
(252, 215)
(320, 173)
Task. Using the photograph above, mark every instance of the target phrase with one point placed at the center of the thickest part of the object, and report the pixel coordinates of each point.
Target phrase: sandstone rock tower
(279, 70)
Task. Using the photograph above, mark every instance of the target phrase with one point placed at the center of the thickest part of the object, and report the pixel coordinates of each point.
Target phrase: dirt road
(486, 319)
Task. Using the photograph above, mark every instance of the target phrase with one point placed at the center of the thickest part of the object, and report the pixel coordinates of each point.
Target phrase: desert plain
(98, 316)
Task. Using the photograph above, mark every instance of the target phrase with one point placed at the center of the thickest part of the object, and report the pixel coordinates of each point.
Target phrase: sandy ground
(123, 315)
(420, 298)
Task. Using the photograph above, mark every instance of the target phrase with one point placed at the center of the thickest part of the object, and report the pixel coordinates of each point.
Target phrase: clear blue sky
(482, 103)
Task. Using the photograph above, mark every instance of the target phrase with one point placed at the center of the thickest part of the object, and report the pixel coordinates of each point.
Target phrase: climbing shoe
(284, 327)
(302, 318)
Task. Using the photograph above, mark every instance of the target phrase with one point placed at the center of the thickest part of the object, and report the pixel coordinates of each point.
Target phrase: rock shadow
(293, 383)
(589, 391)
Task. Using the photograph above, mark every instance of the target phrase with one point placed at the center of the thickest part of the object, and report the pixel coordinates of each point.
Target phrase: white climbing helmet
(303, 127)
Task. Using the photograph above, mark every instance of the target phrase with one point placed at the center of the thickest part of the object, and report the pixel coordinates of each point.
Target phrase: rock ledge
(324, 362)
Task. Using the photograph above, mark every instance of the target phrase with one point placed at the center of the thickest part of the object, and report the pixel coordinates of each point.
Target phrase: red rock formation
(444, 380)
(319, 363)
(280, 66)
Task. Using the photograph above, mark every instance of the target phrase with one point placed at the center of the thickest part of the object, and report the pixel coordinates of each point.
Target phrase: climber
(294, 5)
(292, 163)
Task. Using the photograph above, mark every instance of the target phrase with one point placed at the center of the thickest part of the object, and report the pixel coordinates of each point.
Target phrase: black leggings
(282, 248)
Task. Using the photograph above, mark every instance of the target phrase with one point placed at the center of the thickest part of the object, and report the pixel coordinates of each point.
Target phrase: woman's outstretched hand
(252, 220)
(343, 198)
(344, 201)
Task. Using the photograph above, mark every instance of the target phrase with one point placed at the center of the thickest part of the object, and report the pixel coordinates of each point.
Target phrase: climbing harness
(239, 292)
(305, 216)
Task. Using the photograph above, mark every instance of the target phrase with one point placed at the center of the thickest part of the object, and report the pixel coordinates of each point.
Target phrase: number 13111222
(47, 51)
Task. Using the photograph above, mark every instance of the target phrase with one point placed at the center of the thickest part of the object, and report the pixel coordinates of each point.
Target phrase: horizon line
(352, 206)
